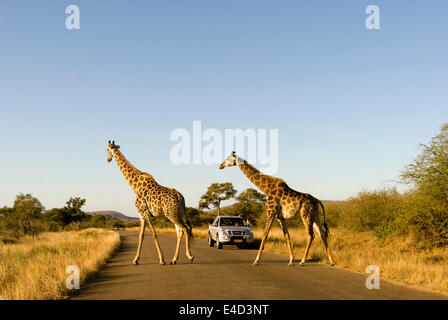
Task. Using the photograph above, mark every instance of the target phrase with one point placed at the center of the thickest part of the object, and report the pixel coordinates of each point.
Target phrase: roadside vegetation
(37, 245)
(28, 217)
(35, 268)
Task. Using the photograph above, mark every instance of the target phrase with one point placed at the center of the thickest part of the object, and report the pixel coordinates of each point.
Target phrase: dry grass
(36, 268)
(398, 258)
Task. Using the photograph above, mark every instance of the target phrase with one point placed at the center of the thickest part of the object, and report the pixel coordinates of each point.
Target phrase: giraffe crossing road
(153, 201)
(284, 203)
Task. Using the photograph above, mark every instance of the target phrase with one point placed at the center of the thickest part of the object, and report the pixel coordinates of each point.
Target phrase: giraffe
(154, 200)
(284, 203)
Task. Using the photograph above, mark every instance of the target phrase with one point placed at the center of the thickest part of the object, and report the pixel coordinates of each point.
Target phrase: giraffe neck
(262, 181)
(130, 173)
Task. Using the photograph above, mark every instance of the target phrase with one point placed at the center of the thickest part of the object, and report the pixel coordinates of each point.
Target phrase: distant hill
(114, 214)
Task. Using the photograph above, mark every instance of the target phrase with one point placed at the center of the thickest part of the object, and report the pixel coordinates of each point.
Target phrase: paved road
(228, 274)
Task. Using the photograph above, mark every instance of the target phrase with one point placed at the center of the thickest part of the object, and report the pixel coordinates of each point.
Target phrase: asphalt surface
(227, 274)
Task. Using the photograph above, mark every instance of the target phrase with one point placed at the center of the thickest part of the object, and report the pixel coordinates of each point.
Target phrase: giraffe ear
(109, 141)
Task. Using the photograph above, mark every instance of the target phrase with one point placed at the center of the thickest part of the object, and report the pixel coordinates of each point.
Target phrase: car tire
(211, 242)
(218, 244)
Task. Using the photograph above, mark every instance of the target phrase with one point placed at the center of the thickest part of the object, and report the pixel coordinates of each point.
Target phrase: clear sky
(351, 105)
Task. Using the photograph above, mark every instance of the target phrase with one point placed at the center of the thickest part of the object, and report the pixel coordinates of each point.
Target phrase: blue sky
(351, 105)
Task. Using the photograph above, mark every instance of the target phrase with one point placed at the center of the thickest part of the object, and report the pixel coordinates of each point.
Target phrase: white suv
(229, 230)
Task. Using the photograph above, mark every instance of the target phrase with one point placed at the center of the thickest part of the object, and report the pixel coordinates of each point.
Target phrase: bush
(426, 217)
(333, 211)
(371, 209)
(98, 221)
(250, 205)
(385, 230)
(193, 215)
(427, 205)
(132, 223)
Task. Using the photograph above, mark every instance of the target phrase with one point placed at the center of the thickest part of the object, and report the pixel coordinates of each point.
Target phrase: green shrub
(426, 217)
(333, 210)
(427, 205)
(385, 230)
(371, 210)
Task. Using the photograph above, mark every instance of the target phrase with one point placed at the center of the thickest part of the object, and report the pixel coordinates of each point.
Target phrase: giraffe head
(231, 160)
(110, 147)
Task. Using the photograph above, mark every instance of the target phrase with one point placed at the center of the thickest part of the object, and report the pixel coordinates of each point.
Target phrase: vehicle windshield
(232, 222)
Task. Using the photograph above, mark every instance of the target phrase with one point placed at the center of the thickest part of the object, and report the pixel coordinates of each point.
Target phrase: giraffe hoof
(302, 263)
(191, 259)
(332, 264)
(256, 263)
(173, 262)
(291, 264)
(135, 262)
(162, 263)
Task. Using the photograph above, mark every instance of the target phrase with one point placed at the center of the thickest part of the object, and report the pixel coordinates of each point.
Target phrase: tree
(28, 206)
(73, 210)
(27, 211)
(8, 224)
(427, 206)
(56, 217)
(193, 216)
(216, 193)
(5, 211)
(75, 203)
(429, 172)
(250, 204)
(114, 223)
(70, 213)
(98, 221)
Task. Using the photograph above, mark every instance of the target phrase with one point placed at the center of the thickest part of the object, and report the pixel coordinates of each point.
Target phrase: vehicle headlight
(224, 233)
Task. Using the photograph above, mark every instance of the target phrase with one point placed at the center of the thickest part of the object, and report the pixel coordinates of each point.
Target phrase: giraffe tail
(187, 223)
(325, 226)
(189, 231)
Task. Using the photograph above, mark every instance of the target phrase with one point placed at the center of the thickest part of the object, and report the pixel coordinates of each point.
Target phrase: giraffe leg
(140, 240)
(183, 229)
(282, 223)
(309, 229)
(156, 241)
(187, 246)
(324, 237)
(270, 219)
(179, 233)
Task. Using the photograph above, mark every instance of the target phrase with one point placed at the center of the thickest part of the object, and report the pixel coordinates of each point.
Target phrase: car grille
(237, 233)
